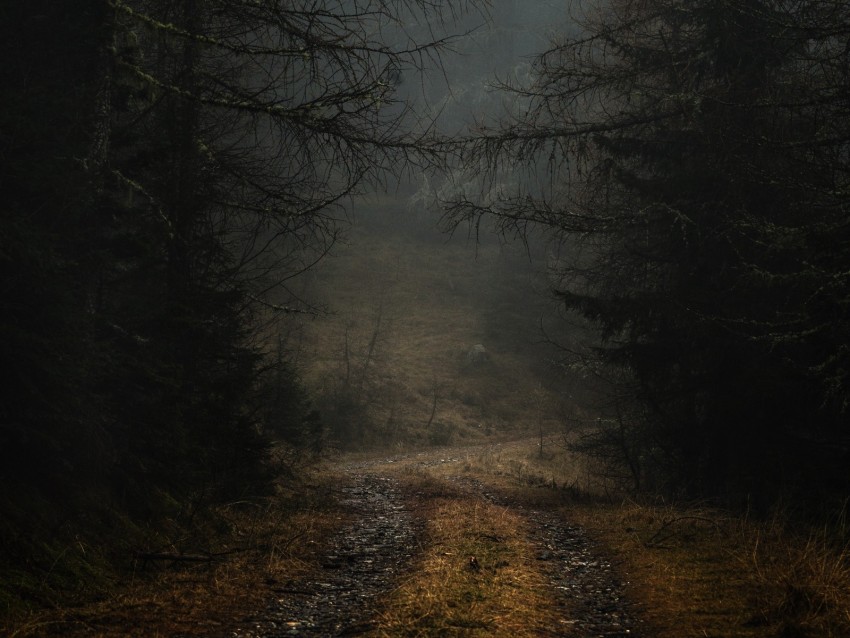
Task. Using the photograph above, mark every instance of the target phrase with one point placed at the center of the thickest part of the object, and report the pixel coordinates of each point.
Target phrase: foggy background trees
(691, 157)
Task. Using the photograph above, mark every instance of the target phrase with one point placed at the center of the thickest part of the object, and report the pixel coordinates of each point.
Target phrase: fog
(424, 333)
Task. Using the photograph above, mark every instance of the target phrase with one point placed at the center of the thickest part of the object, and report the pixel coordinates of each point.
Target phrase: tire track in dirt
(585, 583)
(366, 558)
(362, 562)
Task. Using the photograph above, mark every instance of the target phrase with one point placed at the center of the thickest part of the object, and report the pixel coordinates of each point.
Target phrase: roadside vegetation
(694, 569)
(198, 581)
(691, 569)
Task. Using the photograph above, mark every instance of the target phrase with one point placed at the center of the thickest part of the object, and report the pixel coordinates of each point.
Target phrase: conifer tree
(694, 169)
(167, 166)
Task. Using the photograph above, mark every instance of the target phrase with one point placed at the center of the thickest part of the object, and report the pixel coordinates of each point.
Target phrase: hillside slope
(427, 338)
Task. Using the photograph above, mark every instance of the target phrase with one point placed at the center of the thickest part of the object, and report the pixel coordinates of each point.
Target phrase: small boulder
(477, 355)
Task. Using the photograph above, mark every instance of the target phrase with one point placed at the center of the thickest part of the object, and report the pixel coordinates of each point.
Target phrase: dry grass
(477, 576)
(695, 571)
(435, 299)
(272, 543)
(803, 582)
(536, 462)
(702, 572)
(681, 566)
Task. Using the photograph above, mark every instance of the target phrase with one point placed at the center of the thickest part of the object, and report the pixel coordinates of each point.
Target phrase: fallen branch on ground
(206, 557)
(657, 538)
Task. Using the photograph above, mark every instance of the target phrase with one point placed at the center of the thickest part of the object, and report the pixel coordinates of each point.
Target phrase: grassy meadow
(387, 362)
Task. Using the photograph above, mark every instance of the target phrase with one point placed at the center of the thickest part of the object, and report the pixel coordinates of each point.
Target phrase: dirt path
(585, 584)
(362, 562)
(365, 560)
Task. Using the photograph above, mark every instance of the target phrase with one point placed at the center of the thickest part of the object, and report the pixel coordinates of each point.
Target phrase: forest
(176, 172)
(166, 167)
(695, 171)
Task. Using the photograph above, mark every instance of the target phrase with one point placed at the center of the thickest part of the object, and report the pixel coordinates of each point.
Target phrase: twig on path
(206, 557)
(659, 537)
